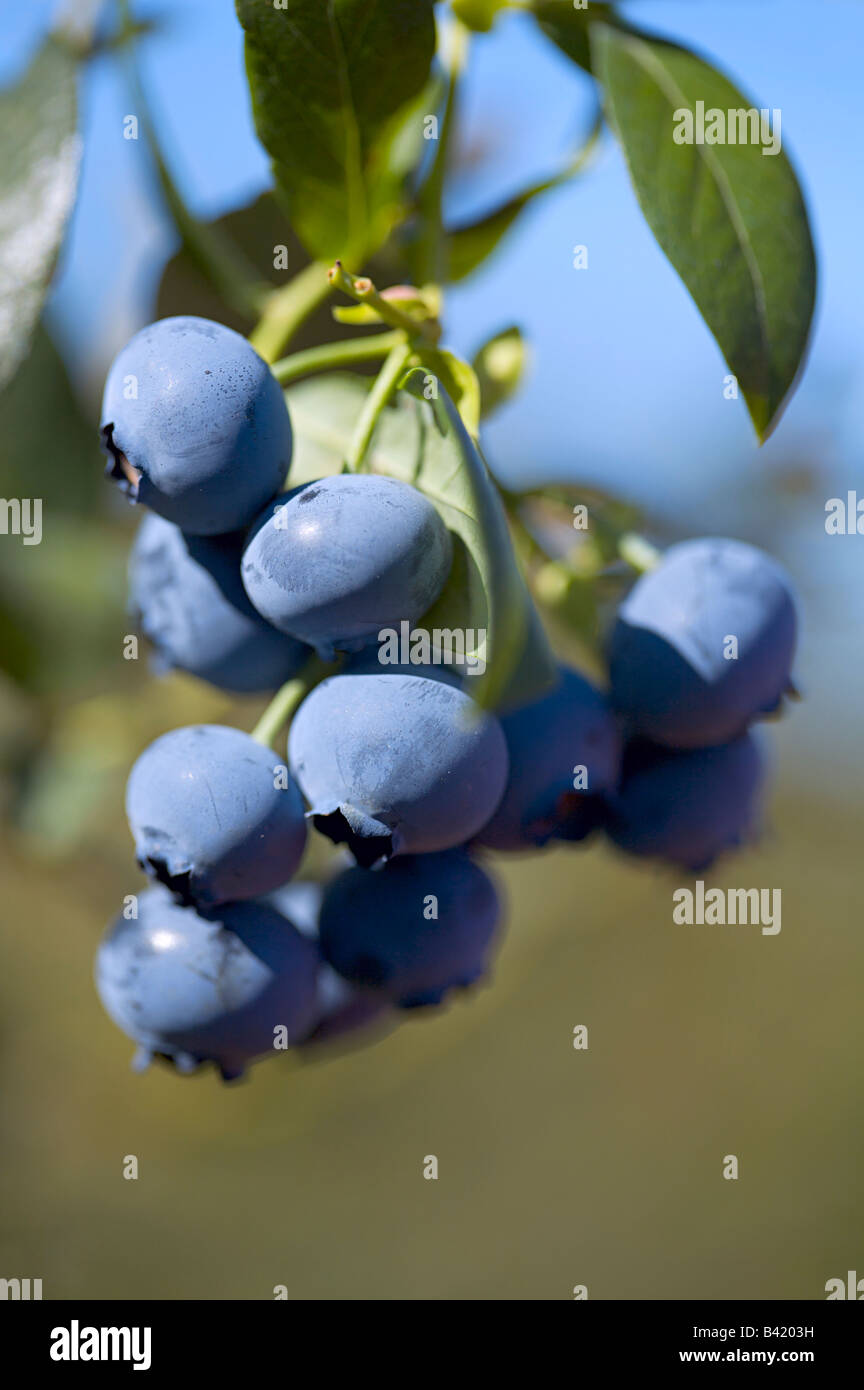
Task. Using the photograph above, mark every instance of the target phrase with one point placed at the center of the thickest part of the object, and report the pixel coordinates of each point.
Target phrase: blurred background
(557, 1167)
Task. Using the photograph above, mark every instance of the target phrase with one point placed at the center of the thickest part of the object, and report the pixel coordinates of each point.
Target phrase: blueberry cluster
(224, 959)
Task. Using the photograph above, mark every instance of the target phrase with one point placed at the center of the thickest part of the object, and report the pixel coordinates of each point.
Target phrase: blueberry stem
(638, 552)
(361, 289)
(287, 308)
(319, 359)
(286, 701)
(383, 388)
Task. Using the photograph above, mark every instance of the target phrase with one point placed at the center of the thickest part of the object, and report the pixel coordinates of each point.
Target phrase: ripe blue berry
(215, 988)
(686, 807)
(190, 602)
(392, 762)
(334, 562)
(412, 930)
(340, 1008)
(569, 729)
(214, 816)
(196, 425)
(673, 671)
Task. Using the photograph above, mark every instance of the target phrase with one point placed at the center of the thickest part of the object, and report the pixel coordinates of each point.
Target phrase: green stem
(382, 390)
(632, 547)
(287, 308)
(361, 289)
(286, 701)
(432, 248)
(223, 264)
(638, 552)
(321, 359)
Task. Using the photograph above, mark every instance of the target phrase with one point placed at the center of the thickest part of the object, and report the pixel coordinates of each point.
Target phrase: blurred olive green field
(557, 1167)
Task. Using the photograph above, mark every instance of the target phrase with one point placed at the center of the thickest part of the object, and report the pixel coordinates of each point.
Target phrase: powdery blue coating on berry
(668, 673)
(391, 762)
(208, 430)
(207, 989)
(188, 598)
(376, 931)
(571, 726)
(334, 562)
(687, 807)
(208, 818)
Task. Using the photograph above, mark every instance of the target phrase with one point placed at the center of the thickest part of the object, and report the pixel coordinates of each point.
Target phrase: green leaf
(499, 366)
(569, 28)
(405, 141)
(39, 160)
(459, 381)
(332, 82)
(356, 315)
(435, 453)
(58, 446)
(469, 245)
(731, 219)
(478, 15)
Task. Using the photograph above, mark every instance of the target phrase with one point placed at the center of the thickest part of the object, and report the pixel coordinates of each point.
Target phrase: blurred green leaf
(459, 381)
(478, 15)
(469, 245)
(19, 651)
(569, 28)
(260, 229)
(435, 453)
(68, 595)
(39, 159)
(356, 315)
(499, 366)
(51, 453)
(405, 142)
(731, 219)
(329, 81)
(73, 786)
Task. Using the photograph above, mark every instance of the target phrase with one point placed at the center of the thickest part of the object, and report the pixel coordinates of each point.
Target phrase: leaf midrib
(649, 61)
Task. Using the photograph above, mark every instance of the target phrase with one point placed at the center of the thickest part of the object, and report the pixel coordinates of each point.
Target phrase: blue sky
(626, 384)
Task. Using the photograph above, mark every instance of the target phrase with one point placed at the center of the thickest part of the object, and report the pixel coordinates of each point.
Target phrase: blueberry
(214, 816)
(571, 727)
(412, 930)
(671, 672)
(215, 988)
(189, 600)
(345, 1012)
(300, 901)
(392, 762)
(686, 807)
(334, 562)
(341, 1010)
(196, 425)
